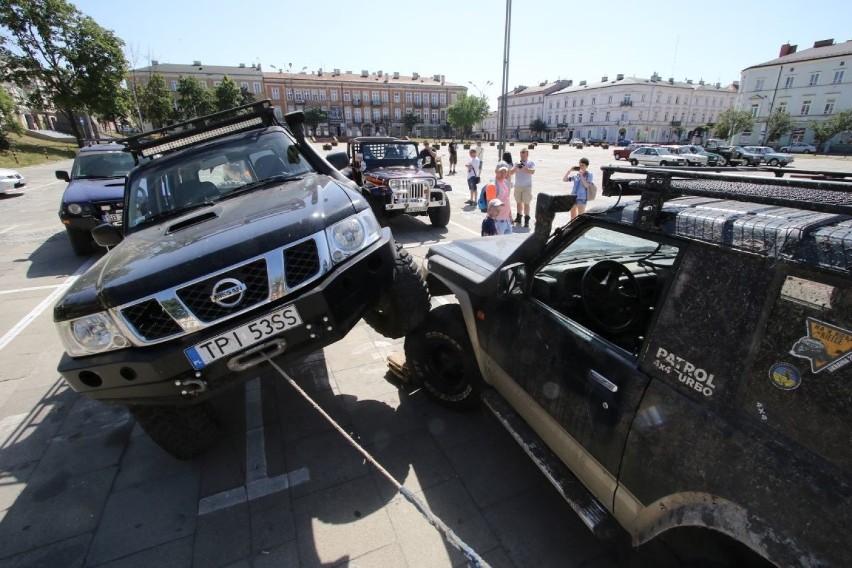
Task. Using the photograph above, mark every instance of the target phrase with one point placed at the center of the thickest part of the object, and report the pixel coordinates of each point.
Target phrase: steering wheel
(610, 295)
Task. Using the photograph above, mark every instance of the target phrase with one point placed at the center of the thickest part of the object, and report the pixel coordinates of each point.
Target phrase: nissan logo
(228, 292)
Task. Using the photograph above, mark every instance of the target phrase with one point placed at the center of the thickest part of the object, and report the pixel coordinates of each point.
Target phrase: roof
(700, 85)
(181, 68)
(375, 78)
(824, 52)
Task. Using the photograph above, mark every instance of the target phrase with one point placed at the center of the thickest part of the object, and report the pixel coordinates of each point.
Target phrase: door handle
(603, 381)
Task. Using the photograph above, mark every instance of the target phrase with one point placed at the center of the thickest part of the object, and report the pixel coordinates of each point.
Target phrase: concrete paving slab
(70, 553)
(222, 537)
(174, 554)
(328, 458)
(272, 522)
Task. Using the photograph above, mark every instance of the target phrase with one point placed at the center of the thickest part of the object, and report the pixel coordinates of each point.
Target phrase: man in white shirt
(523, 170)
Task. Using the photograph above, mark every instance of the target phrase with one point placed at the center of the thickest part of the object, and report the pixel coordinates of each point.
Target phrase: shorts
(471, 185)
(523, 194)
(504, 226)
(454, 159)
(581, 196)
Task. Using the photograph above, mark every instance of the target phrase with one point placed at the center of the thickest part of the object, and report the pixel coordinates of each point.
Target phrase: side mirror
(513, 279)
(338, 159)
(107, 235)
(63, 175)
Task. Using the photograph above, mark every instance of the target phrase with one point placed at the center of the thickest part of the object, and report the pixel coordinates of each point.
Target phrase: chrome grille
(417, 190)
(197, 297)
(150, 320)
(301, 262)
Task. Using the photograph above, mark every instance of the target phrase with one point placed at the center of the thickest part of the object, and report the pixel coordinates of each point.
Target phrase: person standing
(427, 158)
(453, 155)
(489, 224)
(499, 189)
(479, 152)
(523, 170)
(473, 170)
(581, 178)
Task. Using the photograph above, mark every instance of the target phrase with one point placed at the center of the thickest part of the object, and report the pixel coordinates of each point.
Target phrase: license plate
(114, 218)
(416, 209)
(240, 338)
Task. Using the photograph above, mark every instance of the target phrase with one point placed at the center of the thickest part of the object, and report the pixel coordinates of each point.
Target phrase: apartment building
(249, 77)
(811, 85)
(366, 103)
(524, 105)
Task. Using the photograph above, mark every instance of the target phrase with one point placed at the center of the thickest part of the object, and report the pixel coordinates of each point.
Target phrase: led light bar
(201, 137)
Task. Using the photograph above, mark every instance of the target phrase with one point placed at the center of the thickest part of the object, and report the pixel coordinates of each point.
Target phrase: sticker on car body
(826, 346)
(689, 374)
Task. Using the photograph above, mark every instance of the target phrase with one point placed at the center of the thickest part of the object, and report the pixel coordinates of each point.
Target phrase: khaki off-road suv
(687, 356)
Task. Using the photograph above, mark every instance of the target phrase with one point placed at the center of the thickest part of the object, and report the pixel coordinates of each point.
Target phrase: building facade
(810, 85)
(524, 105)
(366, 103)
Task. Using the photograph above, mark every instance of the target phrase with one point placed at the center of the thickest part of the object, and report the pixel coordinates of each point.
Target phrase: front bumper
(158, 374)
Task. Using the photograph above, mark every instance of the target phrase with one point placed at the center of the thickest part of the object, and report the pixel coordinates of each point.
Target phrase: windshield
(600, 243)
(188, 180)
(99, 165)
(384, 154)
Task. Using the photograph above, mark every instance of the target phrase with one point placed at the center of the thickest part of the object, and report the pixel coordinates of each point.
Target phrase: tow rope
(451, 538)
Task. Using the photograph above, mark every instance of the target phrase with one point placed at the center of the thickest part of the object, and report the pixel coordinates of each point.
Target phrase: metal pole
(501, 136)
(771, 104)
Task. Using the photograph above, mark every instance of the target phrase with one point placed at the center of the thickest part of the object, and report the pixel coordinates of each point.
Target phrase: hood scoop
(186, 223)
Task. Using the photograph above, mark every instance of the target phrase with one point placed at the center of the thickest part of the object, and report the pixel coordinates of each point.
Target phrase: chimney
(824, 43)
(583, 83)
(787, 49)
(196, 63)
(242, 65)
(655, 77)
(396, 74)
(415, 76)
(619, 77)
(319, 72)
(570, 83)
(335, 73)
(689, 81)
(365, 73)
(442, 79)
(671, 80)
(604, 79)
(379, 73)
(701, 81)
(154, 62)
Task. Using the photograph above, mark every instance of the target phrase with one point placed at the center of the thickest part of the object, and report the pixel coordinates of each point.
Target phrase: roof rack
(821, 195)
(178, 136)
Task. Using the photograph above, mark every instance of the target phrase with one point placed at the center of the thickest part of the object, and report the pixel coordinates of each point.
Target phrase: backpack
(483, 200)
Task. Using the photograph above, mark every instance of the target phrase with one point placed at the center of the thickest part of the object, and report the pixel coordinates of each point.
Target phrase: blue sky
(549, 40)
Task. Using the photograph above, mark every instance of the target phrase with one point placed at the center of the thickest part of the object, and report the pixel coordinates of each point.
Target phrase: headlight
(352, 234)
(92, 334)
(75, 209)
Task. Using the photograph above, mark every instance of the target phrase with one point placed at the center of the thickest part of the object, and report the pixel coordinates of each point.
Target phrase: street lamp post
(505, 87)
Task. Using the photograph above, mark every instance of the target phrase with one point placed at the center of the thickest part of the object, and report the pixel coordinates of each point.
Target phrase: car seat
(269, 166)
(190, 192)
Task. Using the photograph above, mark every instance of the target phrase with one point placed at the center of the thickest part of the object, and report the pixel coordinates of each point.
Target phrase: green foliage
(538, 126)
(63, 57)
(466, 112)
(228, 94)
(314, 116)
(732, 121)
(155, 101)
(246, 96)
(779, 123)
(410, 120)
(9, 114)
(832, 126)
(194, 99)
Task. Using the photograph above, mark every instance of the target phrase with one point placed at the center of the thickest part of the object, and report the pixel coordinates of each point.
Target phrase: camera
(575, 169)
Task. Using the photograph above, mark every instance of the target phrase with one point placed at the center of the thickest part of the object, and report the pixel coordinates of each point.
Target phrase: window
(814, 79)
(277, 111)
(384, 96)
(375, 97)
(806, 107)
(755, 107)
(376, 115)
(322, 94)
(244, 85)
(346, 96)
(289, 94)
(610, 99)
(417, 99)
(276, 93)
(397, 114)
(408, 98)
(357, 115)
(174, 85)
(434, 117)
(257, 88)
(758, 86)
(838, 77)
(677, 100)
(298, 94)
(580, 118)
(829, 106)
(334, 95)
(434, 99)
(782, 106)
(788, 83)
(593, 101)
(347, 114)
(396, 97)
(606, 117)
(443, 99)
(314, 94)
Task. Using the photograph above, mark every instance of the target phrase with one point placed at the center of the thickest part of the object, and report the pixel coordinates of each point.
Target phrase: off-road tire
(440, 357)
(82, 242)
(440, 216)
(404, 306)
(185, 432)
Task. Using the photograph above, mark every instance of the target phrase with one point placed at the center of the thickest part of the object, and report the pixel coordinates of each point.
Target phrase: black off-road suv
(95, 191)
(238, 242)
(687, 356)
(387, 171)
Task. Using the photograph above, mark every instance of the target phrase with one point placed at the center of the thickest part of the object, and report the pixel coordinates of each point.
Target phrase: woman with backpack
(498, 188)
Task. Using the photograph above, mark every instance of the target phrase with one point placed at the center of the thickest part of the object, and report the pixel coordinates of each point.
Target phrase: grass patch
(28, 151)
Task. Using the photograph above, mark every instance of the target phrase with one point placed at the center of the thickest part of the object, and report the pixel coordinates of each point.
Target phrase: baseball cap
(501, 164)
(495, 203)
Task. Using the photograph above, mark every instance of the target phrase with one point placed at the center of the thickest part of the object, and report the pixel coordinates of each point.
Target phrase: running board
(585, 505)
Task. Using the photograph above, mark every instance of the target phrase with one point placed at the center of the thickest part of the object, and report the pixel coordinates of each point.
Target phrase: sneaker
(518, 219)
(527, 221)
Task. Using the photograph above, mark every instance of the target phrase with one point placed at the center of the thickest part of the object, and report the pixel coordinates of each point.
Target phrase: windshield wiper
(172, 213)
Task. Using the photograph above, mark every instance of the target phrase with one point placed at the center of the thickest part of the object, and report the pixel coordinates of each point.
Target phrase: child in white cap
(489, 224)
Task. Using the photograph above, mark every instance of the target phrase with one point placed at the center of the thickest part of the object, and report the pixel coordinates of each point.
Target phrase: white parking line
(47, 302)
(31, 288)
(7, 229)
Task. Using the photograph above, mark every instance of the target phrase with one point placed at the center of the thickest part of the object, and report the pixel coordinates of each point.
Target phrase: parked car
(739, 156)
(239, 242)
(623, 153)
(386, 170)
(663, 360)
(560, 140)
(799, 148)
(692, 158)
(577, 143)
(95, 192)
(623, 142)
(655, 156)
(713, 159)
(10, 180)
(770, 156)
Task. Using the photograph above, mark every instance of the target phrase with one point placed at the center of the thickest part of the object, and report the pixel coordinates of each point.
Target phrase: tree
(63, 57)
(466, 112)
(314, 116)
(731, 122)
(538, 126)
(778, 124)
(8, 118)
(827, 129)
(246, 96)
(409, 120)
(194, 99)
(228, 94)
(156, 101)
